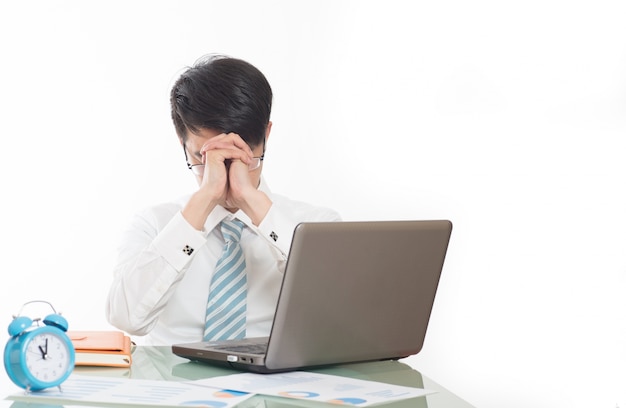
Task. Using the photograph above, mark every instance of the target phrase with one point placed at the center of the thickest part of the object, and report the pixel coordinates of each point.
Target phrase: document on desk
(88, 389)
(315, 387)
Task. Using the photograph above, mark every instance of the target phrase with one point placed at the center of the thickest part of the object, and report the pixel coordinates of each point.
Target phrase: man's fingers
(232, 143)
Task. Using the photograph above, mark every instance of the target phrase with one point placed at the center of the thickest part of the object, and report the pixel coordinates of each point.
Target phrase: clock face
(47, 357)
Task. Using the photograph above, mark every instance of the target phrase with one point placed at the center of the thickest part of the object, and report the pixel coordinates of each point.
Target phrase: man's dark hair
(224, 94)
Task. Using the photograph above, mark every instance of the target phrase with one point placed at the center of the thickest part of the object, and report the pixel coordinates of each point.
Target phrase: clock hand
(43, 353)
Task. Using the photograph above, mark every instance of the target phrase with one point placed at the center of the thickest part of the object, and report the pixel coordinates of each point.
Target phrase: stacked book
(101, 348)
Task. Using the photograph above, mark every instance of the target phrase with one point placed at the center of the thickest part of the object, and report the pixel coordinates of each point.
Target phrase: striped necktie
(226, 306)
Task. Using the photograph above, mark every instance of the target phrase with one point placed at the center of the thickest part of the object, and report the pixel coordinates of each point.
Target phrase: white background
(505, 117)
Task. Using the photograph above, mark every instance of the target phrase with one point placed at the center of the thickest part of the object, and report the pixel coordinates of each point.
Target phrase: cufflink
(188, 250)
(274, 236)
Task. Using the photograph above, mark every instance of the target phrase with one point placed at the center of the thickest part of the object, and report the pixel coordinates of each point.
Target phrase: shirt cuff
(278, 231)
(178, 242)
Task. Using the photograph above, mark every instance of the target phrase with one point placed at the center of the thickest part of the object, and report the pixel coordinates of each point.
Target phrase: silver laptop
(351, 292)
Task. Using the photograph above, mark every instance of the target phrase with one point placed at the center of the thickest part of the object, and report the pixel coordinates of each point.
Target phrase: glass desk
(158, 363)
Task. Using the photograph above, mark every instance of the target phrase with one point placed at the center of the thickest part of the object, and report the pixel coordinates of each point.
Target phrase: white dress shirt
(164, 268)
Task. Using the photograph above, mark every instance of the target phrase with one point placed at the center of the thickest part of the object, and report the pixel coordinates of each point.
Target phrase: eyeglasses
(198, 169)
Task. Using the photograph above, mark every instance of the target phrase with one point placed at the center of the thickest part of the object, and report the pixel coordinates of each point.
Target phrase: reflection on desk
(158, 363)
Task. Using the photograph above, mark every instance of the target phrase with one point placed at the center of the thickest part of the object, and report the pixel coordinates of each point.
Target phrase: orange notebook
(101, 348)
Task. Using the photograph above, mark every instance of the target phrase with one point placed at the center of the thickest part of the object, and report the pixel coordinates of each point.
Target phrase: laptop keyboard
(259, 348)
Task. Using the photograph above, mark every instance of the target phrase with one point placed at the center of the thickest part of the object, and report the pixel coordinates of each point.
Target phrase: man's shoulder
(163, 211)
(303, 209)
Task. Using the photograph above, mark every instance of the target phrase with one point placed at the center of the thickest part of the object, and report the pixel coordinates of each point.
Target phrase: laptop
(352, 291)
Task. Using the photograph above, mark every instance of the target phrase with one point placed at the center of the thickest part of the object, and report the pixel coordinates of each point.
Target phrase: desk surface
(158, 363)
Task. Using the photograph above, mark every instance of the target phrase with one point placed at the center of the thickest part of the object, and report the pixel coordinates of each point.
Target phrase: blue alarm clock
(38, 357)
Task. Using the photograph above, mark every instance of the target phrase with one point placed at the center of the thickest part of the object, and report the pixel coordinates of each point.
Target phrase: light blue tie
(226, 307)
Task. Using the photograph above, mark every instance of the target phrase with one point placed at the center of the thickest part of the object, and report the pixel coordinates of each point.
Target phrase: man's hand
(243, 192)
(219, 153)
(227, 181)
(239, 185)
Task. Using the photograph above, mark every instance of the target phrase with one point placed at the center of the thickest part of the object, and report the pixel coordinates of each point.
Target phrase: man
(170, 253)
